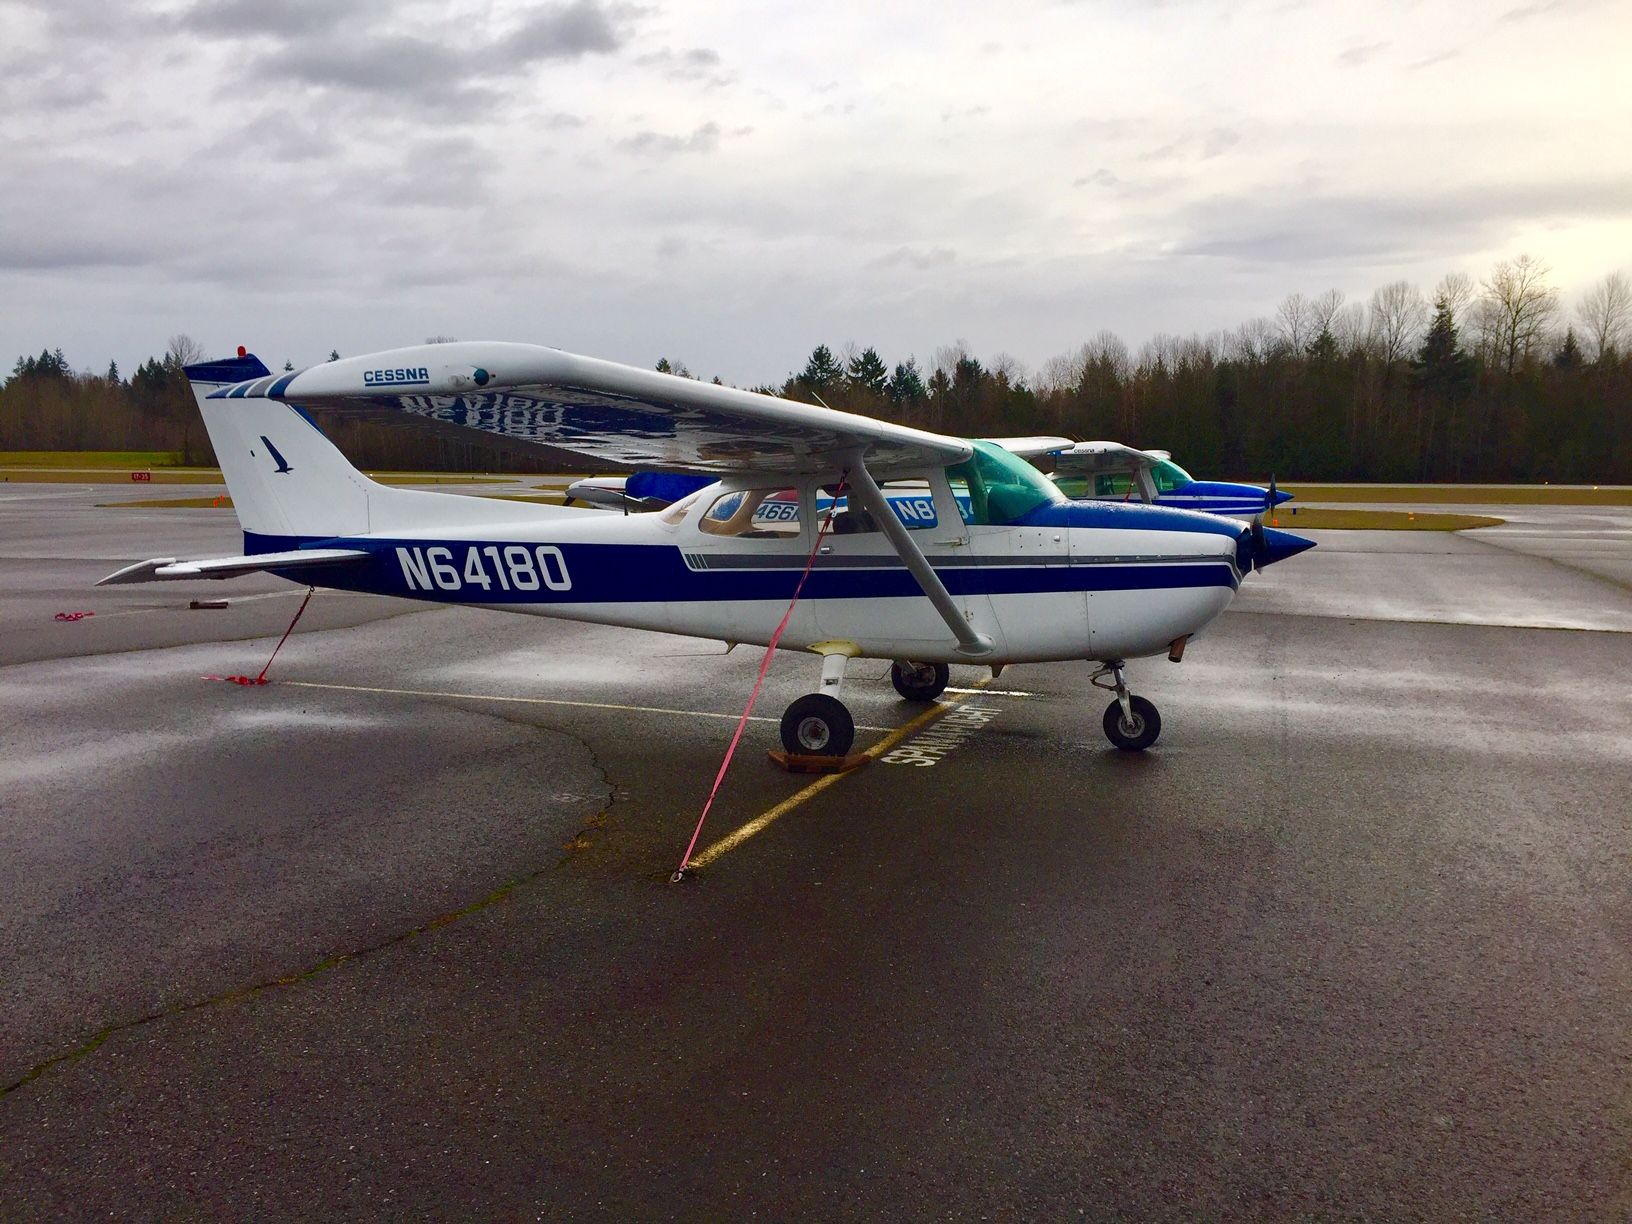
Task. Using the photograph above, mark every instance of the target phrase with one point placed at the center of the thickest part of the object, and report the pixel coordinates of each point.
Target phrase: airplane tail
(290, 485)
(286, 479)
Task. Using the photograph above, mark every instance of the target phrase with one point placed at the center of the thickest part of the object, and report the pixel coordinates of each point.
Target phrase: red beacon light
(242, 351)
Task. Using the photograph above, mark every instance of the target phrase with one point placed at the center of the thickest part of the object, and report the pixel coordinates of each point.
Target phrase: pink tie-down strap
(759, 683)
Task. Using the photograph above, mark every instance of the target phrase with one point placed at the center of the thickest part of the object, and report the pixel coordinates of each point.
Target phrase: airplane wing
(613, 413)
(1034, 448)
(162, 569)
(1107, 458)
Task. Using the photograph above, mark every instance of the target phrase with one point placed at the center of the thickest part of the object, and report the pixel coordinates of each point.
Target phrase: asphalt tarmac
(392, 934)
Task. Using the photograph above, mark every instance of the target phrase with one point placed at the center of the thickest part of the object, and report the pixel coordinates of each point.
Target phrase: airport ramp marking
(545, 701)
(767, 818)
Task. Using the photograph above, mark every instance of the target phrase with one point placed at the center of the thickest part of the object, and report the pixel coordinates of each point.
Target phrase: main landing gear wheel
(919, 681)
(1135, 733)
(818, 725)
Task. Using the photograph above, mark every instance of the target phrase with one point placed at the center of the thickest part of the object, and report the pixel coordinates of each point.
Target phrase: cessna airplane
(1026, 576)
(1107, 471)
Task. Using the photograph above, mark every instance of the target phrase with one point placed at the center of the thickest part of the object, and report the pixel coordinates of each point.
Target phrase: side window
(754, 514)
(1116, 485)
(911, 501)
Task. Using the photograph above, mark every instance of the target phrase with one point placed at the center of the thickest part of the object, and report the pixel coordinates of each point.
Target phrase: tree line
(1492, 379)
(1487, 380)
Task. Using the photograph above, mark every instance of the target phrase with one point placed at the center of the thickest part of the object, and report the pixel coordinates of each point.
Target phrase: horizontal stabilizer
(168, 569)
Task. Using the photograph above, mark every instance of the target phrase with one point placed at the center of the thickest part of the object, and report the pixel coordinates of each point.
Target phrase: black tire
(920, 681)
(818, 725)
(1147, 725)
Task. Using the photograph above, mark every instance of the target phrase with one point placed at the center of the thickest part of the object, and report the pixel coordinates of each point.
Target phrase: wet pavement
(392, 934)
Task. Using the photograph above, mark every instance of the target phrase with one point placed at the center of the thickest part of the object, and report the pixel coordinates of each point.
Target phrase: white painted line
(548, 701)
(991, 692)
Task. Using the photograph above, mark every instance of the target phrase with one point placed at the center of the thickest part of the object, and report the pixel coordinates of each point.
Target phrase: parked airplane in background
(1025, 576)
(1106, 471)
(1111, 471)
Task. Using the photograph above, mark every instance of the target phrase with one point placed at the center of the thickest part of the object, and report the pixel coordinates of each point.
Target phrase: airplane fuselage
(1081, 581)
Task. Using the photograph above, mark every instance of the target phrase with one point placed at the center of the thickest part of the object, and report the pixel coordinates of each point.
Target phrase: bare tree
(1521, 304)
(1349, 328)
(1252, 340)
(1323, 310)
(1455, 289)
(1294, 319)
(1062, 373)
(1007, 367)
(1108, 349)
(183, 350)
(1605, 313)
(947, 357)
(1398, 313)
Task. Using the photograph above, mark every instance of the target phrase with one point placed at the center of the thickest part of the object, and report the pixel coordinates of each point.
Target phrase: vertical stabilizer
(285, 477)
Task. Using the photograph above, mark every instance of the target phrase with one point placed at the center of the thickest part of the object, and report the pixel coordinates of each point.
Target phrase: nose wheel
(818, 725)
(1131, 723)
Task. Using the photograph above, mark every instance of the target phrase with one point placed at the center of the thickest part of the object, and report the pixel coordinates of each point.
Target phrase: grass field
(1318, 518)
(90, 459)
(1466, 495)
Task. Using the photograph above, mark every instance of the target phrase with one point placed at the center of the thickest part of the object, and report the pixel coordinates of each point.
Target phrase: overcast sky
(727, 183)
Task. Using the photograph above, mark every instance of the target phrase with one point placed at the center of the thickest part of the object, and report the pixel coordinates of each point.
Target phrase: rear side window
(754, 514)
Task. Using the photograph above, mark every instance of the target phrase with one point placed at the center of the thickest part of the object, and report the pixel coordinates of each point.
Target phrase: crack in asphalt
(579, 841)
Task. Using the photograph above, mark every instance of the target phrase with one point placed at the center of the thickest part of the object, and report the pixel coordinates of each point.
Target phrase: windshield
(1169, 476)
(1002, 487)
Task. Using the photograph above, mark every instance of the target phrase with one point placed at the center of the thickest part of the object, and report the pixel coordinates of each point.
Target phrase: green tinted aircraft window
(1002, 486)
(1169, 476)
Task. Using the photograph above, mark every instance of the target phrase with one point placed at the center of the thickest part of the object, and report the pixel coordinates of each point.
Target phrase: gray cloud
(704, 139)
(697, 64)
(1289, 227)
(1099, 178)
(919, 258)
(1429, 61)
(1355, 56)
(1526, 11)
(565, 32)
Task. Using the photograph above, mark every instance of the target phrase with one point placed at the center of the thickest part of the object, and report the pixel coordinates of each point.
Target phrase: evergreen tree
(334, 354)
(822, 372)
(288, 365)
(663, 366)
(113, 372)
(867, 372)
(1569, 355)
(906, 386)
(1441, 368)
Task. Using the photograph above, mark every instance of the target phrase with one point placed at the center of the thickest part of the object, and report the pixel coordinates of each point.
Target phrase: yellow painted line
(546, 701)
(766, 819)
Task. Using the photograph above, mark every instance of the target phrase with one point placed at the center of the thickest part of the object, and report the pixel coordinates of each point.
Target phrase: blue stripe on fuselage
(650, 573)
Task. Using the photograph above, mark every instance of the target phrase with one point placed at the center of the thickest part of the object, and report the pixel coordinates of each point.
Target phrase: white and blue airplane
(1112, 471)
(1027, 576)
(1103, 471)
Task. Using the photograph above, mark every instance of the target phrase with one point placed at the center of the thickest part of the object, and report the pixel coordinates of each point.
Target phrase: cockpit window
(1001, 486)
(1169, 476)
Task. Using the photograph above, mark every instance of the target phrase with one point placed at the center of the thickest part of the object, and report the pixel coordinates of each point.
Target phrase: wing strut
(971, 642)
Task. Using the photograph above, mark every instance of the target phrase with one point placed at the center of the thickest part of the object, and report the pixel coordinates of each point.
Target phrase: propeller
(1272, 500)
(1260, 544)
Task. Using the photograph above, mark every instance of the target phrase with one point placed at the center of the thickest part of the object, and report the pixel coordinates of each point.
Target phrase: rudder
(286, 479)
